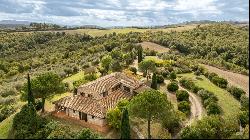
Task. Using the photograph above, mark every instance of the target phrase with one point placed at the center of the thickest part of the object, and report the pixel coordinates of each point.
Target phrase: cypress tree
(31, 98)
(125, 126)
(140, 54)
(154, 82)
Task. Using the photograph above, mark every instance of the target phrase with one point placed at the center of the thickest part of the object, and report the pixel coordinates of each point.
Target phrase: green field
(228, 103)
(5, 127)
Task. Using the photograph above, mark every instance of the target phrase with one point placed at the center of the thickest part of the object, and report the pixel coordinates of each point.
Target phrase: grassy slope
(229, 105)
(5, 127)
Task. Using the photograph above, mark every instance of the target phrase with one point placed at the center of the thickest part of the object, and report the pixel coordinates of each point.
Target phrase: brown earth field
(155, 47)
(235, 79)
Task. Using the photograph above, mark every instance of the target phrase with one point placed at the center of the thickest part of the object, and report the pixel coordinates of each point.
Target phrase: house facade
(95, 98)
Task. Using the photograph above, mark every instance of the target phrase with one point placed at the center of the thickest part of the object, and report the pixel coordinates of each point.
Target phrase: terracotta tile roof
(92, 106)
(107, 82)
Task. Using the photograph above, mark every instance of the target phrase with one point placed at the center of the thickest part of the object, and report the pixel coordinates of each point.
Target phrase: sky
(123, 12)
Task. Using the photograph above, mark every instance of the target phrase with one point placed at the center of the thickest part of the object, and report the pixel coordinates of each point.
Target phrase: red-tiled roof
(107, 82)
(92, 106)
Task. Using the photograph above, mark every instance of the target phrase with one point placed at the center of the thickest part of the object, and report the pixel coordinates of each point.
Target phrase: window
(89, 95)
(126, 88)
(83, 94)
(104, 94)
(116, 87)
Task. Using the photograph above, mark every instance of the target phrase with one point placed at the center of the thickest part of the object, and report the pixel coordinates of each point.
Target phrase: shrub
(244, 101)
(133, 69)
(114, 118)
(187, 83)
(173, 86)
(86, 133)
(243, 118)
(184, 107)
(204, 94)
(236, 92)
(90, 77)
(221, 82)
(8, 92)
(195, 89)
(209, 100)
(172, 122)
(6, 111)
(38, 104)
(172, 75)
(213, 108)
(182, 95)
(211, 75)
(160, 79)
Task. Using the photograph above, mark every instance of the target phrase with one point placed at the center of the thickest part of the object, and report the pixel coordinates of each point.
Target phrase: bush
(195, 89)
(244, 101)
(221, 82)
(38, 104)
(86, 133)
(114, 118)
(172, 122)
(244, 118)
(209, 100)
(133, 69)
(6, 111)
(204, 94)
(90, 77)
(213, 108)
(182, 95)
(187, 83)
(173, 86)
(8, 92)
(160, 79)
(172, 75)
(184, 107)
(236, 92)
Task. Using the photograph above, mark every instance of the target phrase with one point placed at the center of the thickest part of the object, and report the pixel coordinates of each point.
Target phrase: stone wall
(96, 120)
(71, 113)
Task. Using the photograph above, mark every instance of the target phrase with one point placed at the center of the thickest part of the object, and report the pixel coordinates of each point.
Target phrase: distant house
(93, 99)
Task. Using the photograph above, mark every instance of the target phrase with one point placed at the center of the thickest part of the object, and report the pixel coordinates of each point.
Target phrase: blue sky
(123, 12)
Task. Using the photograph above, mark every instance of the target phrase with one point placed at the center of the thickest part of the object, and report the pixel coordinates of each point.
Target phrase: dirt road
(196, 106)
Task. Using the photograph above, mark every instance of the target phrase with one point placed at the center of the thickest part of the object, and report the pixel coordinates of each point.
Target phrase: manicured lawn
(228, 103)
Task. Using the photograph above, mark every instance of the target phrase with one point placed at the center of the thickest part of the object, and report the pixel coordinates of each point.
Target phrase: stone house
(93, 99)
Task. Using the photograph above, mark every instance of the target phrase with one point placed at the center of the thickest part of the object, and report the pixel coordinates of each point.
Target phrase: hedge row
(209, 100)
(183, 101)
(214, 78)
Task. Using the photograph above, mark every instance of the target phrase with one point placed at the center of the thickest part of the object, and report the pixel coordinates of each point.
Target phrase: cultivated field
(153, 46)
(235, 79)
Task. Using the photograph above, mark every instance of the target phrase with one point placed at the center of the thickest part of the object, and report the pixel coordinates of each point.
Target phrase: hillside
(70, 53)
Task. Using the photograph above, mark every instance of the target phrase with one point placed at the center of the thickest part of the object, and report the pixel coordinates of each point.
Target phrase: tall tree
(45, 85)
(154, 82)
(146, 66)
(106, 62)
(31, 99)
(125, 126)
(140, 50)
(150, 105)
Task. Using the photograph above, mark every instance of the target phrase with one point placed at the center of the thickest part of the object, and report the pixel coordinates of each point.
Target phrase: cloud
(123, 12)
